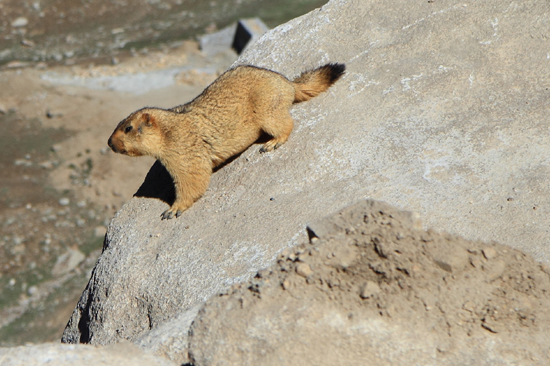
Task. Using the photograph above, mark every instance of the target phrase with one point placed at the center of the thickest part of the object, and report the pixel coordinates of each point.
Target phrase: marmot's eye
(128, 129)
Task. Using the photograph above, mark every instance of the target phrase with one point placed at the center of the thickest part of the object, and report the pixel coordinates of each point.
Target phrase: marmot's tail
(312, 83)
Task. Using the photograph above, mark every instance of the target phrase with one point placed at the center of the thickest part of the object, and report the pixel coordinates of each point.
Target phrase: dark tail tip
(335, 71)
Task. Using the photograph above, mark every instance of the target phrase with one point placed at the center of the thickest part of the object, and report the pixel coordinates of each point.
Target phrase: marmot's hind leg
(279, 129)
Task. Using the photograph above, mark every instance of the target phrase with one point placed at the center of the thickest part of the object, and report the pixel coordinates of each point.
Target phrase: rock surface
(120, 354)
(378, 292)
(443, 111)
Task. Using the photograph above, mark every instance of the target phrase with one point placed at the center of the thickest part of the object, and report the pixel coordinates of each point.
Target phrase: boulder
(121, 354)
(443, 111)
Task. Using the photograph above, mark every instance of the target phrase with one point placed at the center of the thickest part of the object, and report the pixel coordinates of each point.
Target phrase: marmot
(224, 120)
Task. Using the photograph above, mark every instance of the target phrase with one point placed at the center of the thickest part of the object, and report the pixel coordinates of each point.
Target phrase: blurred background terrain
(69, 72)
(64, 30)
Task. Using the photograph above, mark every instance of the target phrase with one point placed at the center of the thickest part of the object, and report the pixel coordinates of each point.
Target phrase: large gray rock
(443, 111)
(68, 355)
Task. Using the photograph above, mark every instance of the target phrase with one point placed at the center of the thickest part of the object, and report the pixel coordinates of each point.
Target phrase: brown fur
(229, 116)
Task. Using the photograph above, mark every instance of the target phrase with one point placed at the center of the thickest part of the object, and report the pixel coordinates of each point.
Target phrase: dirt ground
(380, 290)
(60, 182)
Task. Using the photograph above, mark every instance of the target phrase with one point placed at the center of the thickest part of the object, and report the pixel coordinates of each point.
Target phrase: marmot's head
(138, 134)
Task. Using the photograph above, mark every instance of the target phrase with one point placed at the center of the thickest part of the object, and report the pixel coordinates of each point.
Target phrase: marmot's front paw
(174, 210)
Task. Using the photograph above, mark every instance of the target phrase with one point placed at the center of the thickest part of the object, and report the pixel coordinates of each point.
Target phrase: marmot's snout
(110, 143)
(115, 144)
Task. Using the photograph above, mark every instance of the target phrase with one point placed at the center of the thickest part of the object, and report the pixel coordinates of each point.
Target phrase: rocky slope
(443, 111)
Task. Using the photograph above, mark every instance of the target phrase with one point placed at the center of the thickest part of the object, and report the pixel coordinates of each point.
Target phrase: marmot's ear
(148, 120)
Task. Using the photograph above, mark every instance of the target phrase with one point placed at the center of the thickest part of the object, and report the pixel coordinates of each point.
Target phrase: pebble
(67, 262)
(64, 201)
(495, 270)
(27, 43)
(469, 306)
(491, 326)
(369, 289)
(22, 162)
(20, 22)
(303, 269)
(32, 290)
(46, 164)
(476, 262)
(100, 231)
(51, 114)
(286, 284)
(17, 65)
(489, 253)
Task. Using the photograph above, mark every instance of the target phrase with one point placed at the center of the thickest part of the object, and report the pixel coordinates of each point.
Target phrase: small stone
(18, 249)
(476, 262)
(27, 43)
(100, 231)
(46, 164)
(64, 201)
(22, 162)
(490, 325)
(495, 270)
(20, 22)
(285, 253)
(67, 262)
(369, 289)
(51, 114)
(444, 266)
(286, 284)
(469, 306)
(304, 270)
(489, 253)
(16, 64)
(32, 290)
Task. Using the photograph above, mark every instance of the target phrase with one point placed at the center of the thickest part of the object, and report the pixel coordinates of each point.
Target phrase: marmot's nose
(110, 143)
